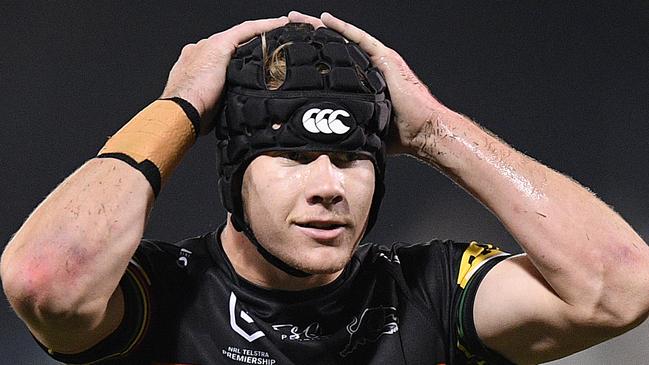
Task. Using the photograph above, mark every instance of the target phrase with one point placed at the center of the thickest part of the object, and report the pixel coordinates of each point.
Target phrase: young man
(285, 281)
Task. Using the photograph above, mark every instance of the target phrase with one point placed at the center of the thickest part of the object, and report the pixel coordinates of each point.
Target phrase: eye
(301, 157)
(339, 159)
(346, 159)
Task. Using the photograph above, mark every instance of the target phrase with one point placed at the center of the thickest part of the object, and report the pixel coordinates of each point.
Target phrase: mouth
(321, 225)
(321, 230)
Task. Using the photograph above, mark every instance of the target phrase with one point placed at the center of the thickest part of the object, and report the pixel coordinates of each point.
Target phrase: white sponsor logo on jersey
(325, 121)
(294, 333)
(246, 317)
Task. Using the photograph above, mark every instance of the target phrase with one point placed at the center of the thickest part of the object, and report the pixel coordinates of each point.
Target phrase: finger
(368, 43)
(297, 17)
(252, 28)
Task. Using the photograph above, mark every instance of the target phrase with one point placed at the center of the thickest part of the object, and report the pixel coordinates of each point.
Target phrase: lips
(321, 230)
(321, 225)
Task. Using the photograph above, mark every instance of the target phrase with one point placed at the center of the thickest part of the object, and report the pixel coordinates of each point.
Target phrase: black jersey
(409, 304)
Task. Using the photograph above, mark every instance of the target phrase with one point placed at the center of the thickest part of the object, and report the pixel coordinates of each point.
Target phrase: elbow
(38, 305)
(625, 298)
(39, 296)
(614, 319)
(33, 295)
(620, 302)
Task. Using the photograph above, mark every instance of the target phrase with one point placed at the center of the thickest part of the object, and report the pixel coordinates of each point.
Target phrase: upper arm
(517, 314)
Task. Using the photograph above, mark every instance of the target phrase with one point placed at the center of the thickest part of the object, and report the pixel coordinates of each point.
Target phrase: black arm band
(146, 167)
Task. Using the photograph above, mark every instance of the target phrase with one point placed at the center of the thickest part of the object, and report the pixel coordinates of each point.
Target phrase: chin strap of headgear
(274, 260)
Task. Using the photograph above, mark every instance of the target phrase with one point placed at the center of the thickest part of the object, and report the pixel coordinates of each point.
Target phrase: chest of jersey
(369, 321)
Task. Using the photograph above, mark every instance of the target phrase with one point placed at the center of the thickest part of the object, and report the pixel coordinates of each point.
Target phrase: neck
(249, 264)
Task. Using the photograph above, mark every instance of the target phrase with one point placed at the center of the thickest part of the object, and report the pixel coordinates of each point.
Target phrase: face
(309, 209)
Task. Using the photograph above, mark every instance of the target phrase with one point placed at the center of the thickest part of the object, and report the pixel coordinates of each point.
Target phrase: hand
(199, 74)
(413, 105)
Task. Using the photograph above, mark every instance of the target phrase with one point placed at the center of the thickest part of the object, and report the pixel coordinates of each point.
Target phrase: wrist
(436, 136)
(190, 96)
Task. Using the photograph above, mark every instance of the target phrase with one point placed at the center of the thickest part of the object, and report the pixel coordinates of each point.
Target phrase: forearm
(581, 246)
(72, 251)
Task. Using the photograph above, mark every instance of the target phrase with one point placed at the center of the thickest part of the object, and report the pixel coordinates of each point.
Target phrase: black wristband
(146, 167)
(190, 111)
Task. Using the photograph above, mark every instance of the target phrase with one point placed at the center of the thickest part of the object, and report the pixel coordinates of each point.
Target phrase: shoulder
(428, 269)
(189, 256)
(464, 257)
(460, 259)
(417, 258)
(162, 249)
(422, 270)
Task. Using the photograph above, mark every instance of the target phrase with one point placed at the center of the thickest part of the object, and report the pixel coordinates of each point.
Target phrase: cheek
(269, 194)
(361, 186)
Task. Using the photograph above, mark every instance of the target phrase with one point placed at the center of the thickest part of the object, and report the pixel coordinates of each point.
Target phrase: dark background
(565, 83)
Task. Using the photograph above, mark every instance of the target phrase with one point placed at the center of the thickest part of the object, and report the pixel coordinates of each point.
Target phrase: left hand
(200, 72)
(413, 105)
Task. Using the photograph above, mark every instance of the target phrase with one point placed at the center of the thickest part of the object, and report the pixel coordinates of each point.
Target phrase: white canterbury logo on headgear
(325, 121)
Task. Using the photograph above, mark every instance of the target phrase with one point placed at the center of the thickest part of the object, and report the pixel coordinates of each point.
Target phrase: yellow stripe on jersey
(476, 255)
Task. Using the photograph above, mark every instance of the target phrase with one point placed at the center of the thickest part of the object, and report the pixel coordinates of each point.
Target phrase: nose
(325, 185)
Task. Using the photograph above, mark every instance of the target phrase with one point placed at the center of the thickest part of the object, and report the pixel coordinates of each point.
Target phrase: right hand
(199, 74)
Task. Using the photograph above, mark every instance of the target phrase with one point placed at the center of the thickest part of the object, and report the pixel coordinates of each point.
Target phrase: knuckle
(363, 36)
(187, 48)
(393, 55)
(215, 38)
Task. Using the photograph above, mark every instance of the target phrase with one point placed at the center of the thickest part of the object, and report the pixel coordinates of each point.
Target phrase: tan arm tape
(160, 133)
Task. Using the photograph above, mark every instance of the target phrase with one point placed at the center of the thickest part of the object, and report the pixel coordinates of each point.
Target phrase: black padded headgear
(332, 100)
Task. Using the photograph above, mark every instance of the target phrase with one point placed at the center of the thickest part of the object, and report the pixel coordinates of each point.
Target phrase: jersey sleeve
(136, 285)
(476, 261)
(444, 277)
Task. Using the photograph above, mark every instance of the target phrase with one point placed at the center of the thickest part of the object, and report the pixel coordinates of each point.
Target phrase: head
(301, 148)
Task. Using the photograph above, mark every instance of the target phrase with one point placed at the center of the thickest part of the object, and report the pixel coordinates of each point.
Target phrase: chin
(321, 269)
(327, 260)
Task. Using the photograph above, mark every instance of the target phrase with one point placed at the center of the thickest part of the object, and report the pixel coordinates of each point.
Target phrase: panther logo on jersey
(372, 324)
